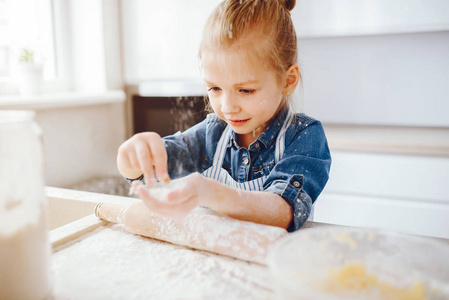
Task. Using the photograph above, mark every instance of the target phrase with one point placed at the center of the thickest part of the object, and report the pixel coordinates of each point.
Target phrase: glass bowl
(347, 263)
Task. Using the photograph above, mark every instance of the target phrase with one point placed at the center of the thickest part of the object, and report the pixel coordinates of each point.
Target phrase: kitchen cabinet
(406, 193)
(387, 177)
(331, 18)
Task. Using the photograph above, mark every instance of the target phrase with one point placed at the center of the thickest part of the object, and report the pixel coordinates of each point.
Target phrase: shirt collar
(270, 133)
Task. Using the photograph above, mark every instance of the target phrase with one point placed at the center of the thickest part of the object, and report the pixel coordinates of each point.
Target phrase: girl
(253, 159)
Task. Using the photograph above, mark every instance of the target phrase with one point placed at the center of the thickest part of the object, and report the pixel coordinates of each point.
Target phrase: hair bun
(289, 4)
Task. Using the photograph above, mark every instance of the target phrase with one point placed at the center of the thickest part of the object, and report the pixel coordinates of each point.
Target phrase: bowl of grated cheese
(348, 263)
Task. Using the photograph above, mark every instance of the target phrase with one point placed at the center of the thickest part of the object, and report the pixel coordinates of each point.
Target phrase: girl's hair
(235, 23)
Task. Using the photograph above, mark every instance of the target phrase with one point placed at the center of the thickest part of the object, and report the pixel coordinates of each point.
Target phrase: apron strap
(280, 141)
(220, 152)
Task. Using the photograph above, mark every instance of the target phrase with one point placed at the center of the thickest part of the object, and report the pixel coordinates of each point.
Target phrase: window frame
(61, 82)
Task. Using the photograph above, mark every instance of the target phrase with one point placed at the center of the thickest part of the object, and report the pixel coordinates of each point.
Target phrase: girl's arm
(147, 154)
(259, 207)
(255, 206)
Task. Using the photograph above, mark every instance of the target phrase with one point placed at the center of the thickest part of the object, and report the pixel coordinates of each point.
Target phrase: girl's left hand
(180, 200)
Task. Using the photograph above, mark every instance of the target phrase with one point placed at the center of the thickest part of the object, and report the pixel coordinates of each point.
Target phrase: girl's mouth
(238, 122)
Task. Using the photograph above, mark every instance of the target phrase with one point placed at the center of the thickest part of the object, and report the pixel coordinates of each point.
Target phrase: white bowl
(348, 263)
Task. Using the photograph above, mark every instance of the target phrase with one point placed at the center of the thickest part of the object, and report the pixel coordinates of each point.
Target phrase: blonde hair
(237, 22)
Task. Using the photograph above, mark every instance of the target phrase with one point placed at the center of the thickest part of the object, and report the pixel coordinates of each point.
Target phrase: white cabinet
(325, 18)
(398, 192)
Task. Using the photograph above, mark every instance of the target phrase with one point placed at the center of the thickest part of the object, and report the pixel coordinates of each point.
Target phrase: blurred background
(375, 73)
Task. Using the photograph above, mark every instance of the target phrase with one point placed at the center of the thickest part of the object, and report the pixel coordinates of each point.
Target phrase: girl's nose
(229, 104)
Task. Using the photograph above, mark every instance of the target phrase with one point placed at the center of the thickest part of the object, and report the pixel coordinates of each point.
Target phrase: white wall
(399, 79)
(80, 142)
(375, 62)
(161, 38)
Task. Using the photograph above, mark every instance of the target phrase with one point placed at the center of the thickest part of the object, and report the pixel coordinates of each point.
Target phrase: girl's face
(242, 91)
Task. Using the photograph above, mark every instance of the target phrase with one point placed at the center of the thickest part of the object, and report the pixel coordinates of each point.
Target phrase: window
(4, 49)
(26, 24)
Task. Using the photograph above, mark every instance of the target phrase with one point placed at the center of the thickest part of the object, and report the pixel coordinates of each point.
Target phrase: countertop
(110, 263)
(389, 139)
(94, 259)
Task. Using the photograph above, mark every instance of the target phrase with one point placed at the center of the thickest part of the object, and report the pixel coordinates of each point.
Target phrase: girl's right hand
(144, 153)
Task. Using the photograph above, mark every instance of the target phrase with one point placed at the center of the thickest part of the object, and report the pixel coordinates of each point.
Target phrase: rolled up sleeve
(301, 174)
(185, 151)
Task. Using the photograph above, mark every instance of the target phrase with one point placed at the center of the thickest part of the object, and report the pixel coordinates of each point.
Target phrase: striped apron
(219, 174)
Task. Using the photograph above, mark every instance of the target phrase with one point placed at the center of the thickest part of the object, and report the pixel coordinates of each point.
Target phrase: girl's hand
(181, 196)
(144, 153)
(190, 192)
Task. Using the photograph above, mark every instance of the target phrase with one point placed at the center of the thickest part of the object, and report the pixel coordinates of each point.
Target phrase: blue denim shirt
(299, 177)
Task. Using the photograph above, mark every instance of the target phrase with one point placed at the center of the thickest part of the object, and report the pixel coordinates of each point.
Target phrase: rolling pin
(201, 229)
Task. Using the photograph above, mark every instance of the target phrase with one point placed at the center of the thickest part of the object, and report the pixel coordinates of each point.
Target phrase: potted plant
(30, 73)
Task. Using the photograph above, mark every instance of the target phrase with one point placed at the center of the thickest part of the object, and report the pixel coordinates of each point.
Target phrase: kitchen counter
(94, 259)
(389, 139)
(109, 263)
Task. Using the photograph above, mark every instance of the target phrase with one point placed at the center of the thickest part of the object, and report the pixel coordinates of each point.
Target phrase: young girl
(253, 159)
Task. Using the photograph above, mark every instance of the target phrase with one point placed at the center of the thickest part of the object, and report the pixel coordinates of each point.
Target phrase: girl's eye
(214, 89)
(247, 91)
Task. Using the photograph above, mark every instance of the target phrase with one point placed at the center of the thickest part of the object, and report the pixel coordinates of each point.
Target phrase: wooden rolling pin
(202, 229)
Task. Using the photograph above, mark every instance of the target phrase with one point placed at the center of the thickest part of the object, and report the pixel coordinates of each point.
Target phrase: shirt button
(256, 145)
(245, 161)
(296, 184)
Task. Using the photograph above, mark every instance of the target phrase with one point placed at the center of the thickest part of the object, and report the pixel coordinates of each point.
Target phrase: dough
(353, 277)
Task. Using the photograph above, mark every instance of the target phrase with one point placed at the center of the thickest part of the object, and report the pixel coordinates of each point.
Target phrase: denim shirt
(299, 177)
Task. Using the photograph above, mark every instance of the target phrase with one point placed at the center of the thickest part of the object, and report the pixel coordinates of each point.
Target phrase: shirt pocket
(263, 169)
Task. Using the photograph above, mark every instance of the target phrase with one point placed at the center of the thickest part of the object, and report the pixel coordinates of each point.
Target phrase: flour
(160, 191)
(201, 229)
(24, 257)
(113, 264)
(24, 246)
(217, 233)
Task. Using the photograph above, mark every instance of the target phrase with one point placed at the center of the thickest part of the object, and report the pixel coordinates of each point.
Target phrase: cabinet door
(403, 193)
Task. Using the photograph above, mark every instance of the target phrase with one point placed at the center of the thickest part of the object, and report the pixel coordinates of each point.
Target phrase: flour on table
(110, 263)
